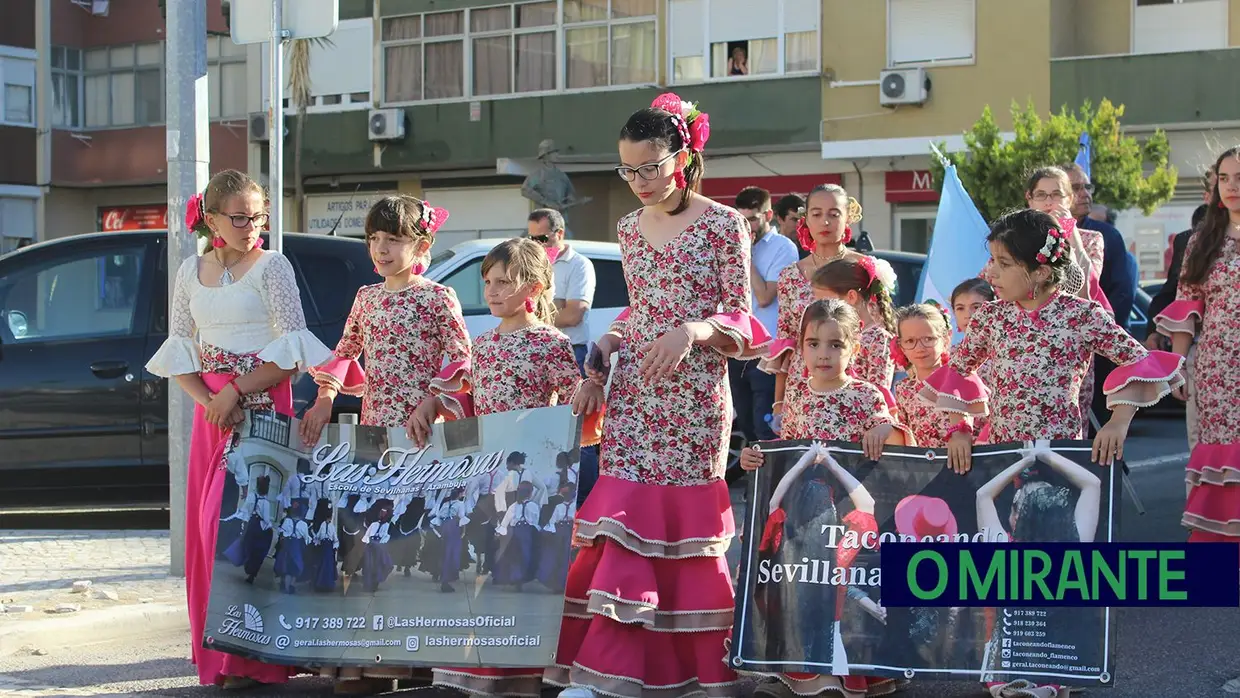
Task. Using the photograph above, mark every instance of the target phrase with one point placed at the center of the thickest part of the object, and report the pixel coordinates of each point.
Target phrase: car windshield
(440, 259)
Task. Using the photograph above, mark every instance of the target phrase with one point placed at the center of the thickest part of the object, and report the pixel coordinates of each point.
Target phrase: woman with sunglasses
(236, 335)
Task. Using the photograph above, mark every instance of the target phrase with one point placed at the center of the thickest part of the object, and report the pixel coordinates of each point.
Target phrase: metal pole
(189, 157)
(275, 160)
(43, 112)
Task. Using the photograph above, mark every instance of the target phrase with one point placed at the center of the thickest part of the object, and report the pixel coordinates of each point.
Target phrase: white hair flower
(686, 108)
(886, 275)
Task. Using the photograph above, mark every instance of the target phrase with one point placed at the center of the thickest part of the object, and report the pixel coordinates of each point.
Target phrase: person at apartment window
(573, 283)
(753, 390)
(786, 217)
(738, 64)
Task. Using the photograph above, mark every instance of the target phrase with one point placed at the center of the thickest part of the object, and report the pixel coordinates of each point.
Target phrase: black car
(81, 421)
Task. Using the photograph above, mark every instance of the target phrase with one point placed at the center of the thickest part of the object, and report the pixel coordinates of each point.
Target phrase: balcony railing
(271, 426)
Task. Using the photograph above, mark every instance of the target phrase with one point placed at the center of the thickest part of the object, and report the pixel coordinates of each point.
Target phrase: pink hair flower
(195, 214)
(699, 132)
(671, 103)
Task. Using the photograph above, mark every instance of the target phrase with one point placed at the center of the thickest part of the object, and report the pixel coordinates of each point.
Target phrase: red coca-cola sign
(117, 218)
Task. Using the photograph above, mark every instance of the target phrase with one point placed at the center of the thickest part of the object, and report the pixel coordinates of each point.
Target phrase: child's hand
(419, 427)
(752, 458)
(589, 398)
(872, 442)
(1109, 443)
(314, 420)
(960, 452)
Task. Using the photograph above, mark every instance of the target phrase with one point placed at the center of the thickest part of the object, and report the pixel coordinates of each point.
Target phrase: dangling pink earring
(218, 242)
(529, 305)
(943, 358)
(418, 268)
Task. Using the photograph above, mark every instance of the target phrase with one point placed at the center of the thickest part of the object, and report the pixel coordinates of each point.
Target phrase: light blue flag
(1084, 154)
(958, 248)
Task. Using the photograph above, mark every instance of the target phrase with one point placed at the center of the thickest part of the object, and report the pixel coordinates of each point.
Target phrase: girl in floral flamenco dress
(865, 284)
(1207, 307)
(1040, 336)
(824, 230)
(836, 407)
(968, 296)
(406, 329)
(649, 599)
(524, 363)
(236, 335)
(923, 334)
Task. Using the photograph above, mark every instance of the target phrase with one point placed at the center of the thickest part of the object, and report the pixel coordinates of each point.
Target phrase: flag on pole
(1084, 153)
(958, 248)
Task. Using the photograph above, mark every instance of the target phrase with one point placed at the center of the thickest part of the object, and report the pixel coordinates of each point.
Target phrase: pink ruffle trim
(345, 375)
(1213, 504)
(749, 337)
(777, 357)
(949, 391)
(454, 406)
(668, 521)
(888, 398)
(1145, 382)
(1180, 316)
(453, 378)
(617, 325)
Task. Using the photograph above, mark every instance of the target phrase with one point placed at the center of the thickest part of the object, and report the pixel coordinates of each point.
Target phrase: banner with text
(364, 550)
(810, 592)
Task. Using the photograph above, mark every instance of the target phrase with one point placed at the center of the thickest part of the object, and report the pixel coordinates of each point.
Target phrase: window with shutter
(930, 31)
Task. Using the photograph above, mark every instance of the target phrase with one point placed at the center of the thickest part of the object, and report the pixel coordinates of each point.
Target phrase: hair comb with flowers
(432, 218)
(692, 123)
(1055, 247)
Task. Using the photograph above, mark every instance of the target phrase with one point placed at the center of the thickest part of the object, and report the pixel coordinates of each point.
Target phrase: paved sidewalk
(130, 591)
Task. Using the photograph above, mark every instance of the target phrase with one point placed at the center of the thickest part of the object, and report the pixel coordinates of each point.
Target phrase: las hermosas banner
(364, 550)
(810, 597)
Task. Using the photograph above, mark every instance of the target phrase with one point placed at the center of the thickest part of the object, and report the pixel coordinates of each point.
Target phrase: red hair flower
(195, 215)
(897, 354)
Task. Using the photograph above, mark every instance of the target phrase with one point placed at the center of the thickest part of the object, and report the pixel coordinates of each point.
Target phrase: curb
(93, 627)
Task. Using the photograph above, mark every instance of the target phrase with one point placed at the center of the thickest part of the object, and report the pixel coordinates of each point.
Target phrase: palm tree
(299, 86)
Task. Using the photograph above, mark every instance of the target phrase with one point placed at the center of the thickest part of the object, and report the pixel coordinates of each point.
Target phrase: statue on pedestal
(548, 186)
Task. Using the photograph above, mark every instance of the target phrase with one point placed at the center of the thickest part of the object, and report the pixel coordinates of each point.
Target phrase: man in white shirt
(573, 279)
(753, 391)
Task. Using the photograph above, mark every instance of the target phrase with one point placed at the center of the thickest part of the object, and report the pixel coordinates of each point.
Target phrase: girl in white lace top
(236, 336)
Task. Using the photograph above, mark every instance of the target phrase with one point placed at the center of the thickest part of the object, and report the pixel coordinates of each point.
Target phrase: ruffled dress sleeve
(955, 387)
(1184, 314)
(786, 329)
(453, 384)
(731, 245)
(618, 325)
(880, 414)
(296, 347)
(178, 355)
(1141, 377)
(344, 372)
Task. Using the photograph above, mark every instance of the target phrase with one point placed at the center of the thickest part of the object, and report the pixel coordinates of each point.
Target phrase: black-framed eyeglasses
(646, 172)
(913, 342)
(541, 239)
(239, 221)
(1043, 196)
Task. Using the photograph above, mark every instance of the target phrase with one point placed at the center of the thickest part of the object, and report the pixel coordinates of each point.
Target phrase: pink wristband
(960, 426)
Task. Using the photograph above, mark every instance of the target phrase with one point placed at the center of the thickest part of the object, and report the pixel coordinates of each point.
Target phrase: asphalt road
(1159, 652)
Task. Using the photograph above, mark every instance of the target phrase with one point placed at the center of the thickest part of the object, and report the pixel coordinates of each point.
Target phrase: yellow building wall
(1233, 23)
(1012, 62)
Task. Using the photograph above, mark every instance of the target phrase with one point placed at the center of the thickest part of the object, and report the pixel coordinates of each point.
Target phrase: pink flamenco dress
(1210, 312)
(220, 333)
(649, 601)
(525, 369)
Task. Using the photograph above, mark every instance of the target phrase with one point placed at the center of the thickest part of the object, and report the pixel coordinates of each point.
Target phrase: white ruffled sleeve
(178, 355)
(296, 347)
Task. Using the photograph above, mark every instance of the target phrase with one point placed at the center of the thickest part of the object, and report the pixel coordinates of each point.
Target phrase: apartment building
(102, 146)
(1157, 57)
(479, 85)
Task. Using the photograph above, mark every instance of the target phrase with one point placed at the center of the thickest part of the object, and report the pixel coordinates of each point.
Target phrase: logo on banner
(245, 623)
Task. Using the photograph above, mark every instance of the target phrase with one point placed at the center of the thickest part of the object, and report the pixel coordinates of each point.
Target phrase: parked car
(461, 268)
(81, 421)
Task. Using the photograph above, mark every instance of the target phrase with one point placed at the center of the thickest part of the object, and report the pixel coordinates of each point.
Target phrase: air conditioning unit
(260, 127)
(903, 86)
(387, 124)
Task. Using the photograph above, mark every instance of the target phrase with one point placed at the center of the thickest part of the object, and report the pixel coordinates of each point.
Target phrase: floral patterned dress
(1211, 312)
(1095, 249)
(794, 293)
(930, 426)
(874, 364)
(1040, 359)
(649, 600)
(405, 337)
(843, 414)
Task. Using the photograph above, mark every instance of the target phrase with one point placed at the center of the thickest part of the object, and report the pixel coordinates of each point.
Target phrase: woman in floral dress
(524, 363)
(406, 328)
(824, 231)
(649, 600)
(1207, 306)
(236, 335)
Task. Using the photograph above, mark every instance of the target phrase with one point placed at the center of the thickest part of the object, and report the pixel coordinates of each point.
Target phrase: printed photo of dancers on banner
(365, 550)
(810, 592)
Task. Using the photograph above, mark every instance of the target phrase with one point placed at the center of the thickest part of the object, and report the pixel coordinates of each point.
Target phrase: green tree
(1126, 173)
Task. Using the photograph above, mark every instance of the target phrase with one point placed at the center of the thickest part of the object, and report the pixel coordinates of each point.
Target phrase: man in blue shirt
(1118, 278)
(753, 391)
